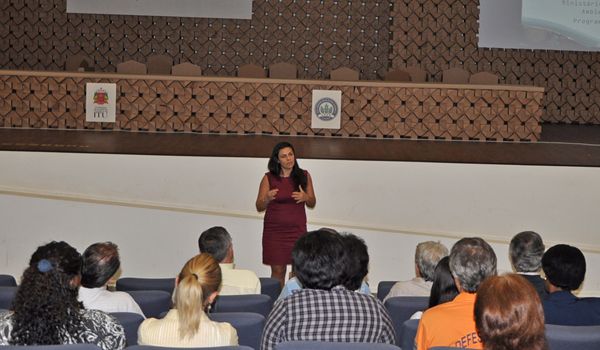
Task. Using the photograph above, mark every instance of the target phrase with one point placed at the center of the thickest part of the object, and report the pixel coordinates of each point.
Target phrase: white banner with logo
(326, 109)
(100, 102)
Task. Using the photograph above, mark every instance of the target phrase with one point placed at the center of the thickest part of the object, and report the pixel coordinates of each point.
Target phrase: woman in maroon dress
(283, 193)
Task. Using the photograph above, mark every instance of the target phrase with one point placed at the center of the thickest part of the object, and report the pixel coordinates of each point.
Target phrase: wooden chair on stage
(78, 63)
(417, 74)
(186, 69)
(131, 67)
(251, 71)
(283, 70)
(344, 74)
(159, 64)
(455, 76)
(484, 78)
(397, 75)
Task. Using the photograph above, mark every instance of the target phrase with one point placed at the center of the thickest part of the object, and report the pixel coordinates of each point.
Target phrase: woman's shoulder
(96, 319)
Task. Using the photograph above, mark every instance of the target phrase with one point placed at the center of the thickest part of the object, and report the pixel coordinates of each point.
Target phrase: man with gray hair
(452, 324)
(217, 242)
(427, 256)
(525, 252)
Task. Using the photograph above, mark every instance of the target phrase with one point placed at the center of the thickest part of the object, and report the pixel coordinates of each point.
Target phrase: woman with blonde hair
(187, 325)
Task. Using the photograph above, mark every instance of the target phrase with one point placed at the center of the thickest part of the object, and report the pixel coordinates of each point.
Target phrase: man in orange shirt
(453, 323)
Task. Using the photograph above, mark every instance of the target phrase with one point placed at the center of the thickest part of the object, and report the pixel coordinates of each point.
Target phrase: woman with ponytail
(45, 310)
(187, 325)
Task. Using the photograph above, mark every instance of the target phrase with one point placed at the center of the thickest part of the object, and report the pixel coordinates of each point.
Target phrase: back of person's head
(525, 251)
(427, 256)
(100, 263)
(509, 314)
(357, 266)
(319, 259)
(215, 241)
(471, 261)
(564, 266)
(443, 288)
(46, 306)
(198, 281)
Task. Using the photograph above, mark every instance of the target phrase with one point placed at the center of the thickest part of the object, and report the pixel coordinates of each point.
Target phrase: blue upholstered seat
(146, 347)
(131, 322)
(383, 289)
(573, 337)
(249, 326)
(317, 345)
(127, 284)
(258, 303)
(409, 332)
(52, 347)
(270, 286)
(402, 308)
(152, 302)
(7, 294)
(7, 281)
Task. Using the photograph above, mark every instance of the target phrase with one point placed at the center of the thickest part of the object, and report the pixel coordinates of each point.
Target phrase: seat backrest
(7, 281)
(131, 322)
(409, 332)
(76, 63)
(148, 347)
(159, 64)
(152, 302)
(573, 337)
(133, 283)
(131, 67)
(397, 75)
(283, 70)
(52, 347)
(249, 326)
(258, 303)
(270, 286)
(383, 289)
(186, 69)
(402, 308)
(7, 295)
(417, 74)
(344, 74)
(455, 76)
(251, 71)
(321, 345)
(484, 78)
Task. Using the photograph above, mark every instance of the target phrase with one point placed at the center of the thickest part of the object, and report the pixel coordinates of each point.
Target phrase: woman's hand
(300, 196)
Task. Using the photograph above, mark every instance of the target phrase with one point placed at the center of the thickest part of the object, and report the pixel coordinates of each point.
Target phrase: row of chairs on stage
(163, 65)
(248, 313)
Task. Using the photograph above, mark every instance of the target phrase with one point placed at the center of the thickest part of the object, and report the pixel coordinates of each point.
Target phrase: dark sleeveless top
(284, 222)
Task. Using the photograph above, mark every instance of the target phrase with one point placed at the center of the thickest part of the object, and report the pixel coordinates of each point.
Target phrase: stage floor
(562, 145)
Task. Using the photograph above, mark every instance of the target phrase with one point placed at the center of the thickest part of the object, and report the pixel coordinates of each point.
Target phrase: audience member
(187, 325)
(217, 242)
(358, 268)
(472, 260)
(100, 263)
(325, 310)
(509, 314)
(443, 288)
(46, 310)
(427, 256)
(564, 267)
(525, 253)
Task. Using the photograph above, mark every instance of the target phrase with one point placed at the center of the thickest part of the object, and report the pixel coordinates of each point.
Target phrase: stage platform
(560, 145)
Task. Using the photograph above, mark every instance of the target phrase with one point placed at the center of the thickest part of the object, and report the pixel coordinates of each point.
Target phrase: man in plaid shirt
(325, 310)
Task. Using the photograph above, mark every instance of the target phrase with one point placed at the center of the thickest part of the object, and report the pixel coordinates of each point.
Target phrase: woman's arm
(264, 194)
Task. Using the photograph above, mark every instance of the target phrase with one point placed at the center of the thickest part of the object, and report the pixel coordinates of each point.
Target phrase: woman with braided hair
(187, 325)
(45, 310)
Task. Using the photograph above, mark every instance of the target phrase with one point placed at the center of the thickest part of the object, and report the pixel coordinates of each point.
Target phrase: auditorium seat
(402, 308)
(407, 334)
(258, 303)
(322, 345)
(147, 347)
(251, 71)
(283, 70)
(249, 326)
(52, 347)
(152, 302)
(7, 294)
(397, 75)
(344, 74)
(131, 67)
(484, 78)
(573, 337)
(455, 76)
(417, 74)
(270, 286)
(78, 63)
(126, 284)
(7, 281)
(383, 289)
(159, 64)
(131, 322)
(186, 69)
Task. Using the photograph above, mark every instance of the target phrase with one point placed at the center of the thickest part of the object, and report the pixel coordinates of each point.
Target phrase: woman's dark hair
(564, 266)
(45, 306)
(319, 260)
(443, 288)
(100, 262)
(297, 175)
(509, 314)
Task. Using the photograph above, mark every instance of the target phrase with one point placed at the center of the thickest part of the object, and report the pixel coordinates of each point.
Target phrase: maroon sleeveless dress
(284, 223)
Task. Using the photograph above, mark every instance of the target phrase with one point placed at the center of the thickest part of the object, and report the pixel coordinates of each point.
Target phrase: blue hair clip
(44, 265)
